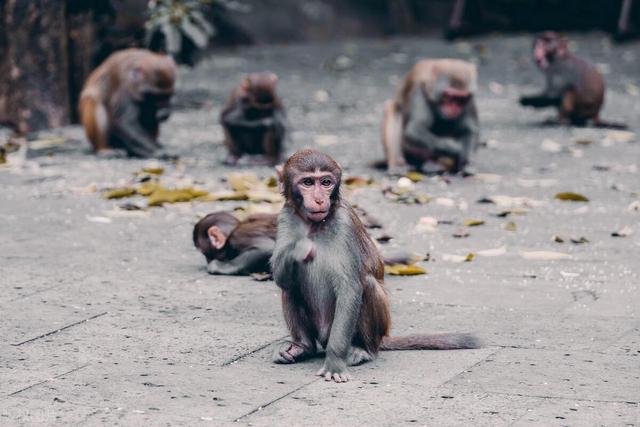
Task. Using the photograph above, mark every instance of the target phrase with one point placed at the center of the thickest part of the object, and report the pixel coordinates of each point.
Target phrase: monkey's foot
(108, 153)
(291, 352)
(358, 356)
(336, 374)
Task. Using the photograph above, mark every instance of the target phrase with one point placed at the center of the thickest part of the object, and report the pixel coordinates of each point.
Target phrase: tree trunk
(34, 90)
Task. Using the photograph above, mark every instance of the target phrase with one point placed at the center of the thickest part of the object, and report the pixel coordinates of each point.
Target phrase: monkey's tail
(610, 125)
(447, 341)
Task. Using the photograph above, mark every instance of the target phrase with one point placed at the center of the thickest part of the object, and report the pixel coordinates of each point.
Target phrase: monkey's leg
(96, 123)
(232, 148)
(348, 302)
(243, 263)
(567, 107)
(358, 356)
(135, 139)
(392, 136)
(303, 343)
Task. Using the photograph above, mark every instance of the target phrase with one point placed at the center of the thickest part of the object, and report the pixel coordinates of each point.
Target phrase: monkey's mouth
(317, 216)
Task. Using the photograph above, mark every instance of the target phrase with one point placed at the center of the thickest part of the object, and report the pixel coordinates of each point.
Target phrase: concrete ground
(109, 316)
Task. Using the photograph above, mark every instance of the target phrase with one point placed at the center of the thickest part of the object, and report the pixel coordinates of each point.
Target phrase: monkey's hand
(305, 250)
(214, 267)
(335, 370)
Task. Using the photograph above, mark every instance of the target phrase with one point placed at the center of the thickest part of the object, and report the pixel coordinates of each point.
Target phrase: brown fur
(113, 83)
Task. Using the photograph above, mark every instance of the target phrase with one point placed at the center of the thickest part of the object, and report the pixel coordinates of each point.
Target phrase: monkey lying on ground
(433, 118)
(124, 101)
(236, 247)
(232, 246)
(254, 119)
(574, 86)
(331, 276)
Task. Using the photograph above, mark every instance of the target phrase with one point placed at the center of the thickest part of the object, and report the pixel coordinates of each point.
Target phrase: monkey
(574, 86)
(124, 101)
(433, 119)
(331, 276)
(254, 119)
(235, 247)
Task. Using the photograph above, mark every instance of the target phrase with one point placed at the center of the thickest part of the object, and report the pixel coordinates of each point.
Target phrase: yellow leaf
(242, 181)
(264, 196)
(415, 176)
(404, 270)
(153, 171)
(510, 226)
(572, 197)
(227, 195)
(470, 256)
(119, 193)
(472, 222)
(584, 141)
(357, 181)
(271, 182)
(148, 188)
(163, 195)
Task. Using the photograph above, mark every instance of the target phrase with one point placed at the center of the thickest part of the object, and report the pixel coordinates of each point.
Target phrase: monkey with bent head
(574, 87)
(331, 276)
(433, 119)
(124, 101)
(254, 120)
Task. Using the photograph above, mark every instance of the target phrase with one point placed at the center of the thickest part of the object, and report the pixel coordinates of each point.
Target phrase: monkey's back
(587, 85)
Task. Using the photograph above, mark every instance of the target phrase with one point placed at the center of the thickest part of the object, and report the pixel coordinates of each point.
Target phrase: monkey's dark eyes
(307, 182)
(326, 182)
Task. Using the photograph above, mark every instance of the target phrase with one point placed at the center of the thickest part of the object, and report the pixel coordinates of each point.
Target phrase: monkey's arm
(245, 262)
(127, 127)
(558, 82)
(286, 257)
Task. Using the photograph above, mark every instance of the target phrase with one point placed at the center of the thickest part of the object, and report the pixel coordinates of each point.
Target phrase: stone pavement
(110, 317)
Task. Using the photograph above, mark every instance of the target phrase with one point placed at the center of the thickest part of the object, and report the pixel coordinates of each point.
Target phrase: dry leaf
(445, 201)
(264, 196)
(427, 224)
(357, 181)
(461, 233)
(261, 277)
(544, 255)
(551, 146)
(557, 239)
(542, 183)
(618, 136)
(415, 176)
(226, 195)
(158, 170)
(242, 181)
(458, 258)
(119, 193)
(571, 197)
(634, 206)
(472, 222)
(488, 178)
(99, 219)
(511, 202)
(148, 188)
(510, 226)
(623, 232)
(584, 141)
(404, 270)
(164, 195)
(579, 240)
(493, 252)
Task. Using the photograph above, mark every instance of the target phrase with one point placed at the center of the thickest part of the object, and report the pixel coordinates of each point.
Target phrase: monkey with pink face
(331, 276)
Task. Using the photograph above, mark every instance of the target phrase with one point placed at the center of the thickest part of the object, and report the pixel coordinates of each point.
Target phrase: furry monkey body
(331, 276)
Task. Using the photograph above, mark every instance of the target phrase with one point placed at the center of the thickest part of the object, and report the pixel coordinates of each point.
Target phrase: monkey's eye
(307, 182)
(326, 182)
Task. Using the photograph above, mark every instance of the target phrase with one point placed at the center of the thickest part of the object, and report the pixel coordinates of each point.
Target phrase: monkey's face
(315, 191)
(547, 48)
(453, 103)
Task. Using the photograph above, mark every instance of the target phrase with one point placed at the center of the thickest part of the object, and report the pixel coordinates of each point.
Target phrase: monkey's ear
(273, 78)
(245, 84)
(280, 174)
